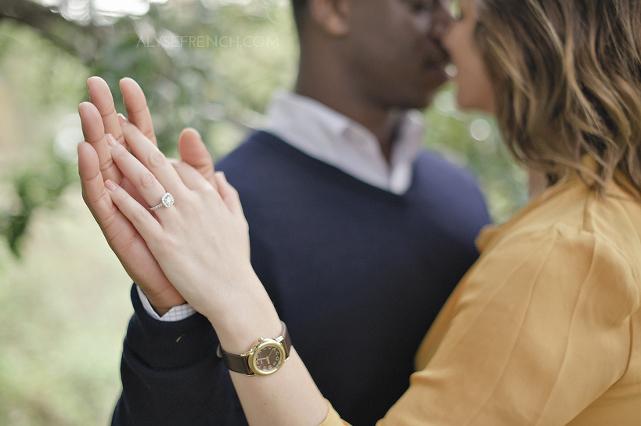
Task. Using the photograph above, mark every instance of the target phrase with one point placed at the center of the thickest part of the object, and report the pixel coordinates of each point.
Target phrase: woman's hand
(201, 242)
(96, 166)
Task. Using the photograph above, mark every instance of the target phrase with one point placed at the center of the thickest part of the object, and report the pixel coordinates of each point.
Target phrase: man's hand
(95, 165)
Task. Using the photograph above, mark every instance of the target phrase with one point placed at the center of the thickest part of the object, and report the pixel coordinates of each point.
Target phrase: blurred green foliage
(219, 82)
(63, 324)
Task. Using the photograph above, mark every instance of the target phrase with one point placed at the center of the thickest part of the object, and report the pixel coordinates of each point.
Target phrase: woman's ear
(331, 15)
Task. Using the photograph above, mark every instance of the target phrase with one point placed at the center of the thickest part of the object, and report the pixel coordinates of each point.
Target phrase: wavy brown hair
(567, 81)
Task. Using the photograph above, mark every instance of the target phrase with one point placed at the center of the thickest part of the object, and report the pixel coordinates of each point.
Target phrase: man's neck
(383, 123)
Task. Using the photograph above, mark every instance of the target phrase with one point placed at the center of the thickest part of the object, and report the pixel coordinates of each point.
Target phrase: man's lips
(437, 59)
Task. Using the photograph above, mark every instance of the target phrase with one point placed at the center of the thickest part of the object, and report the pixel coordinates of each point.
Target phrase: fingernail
(110, 185)
(111, 140)
(123, 120)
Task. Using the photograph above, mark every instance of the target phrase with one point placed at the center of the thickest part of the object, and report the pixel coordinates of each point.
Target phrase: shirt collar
(333, 138)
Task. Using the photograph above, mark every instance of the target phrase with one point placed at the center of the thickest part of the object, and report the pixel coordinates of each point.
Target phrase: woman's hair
(567, 80)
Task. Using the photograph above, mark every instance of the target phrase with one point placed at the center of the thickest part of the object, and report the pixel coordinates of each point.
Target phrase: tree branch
(55, 28)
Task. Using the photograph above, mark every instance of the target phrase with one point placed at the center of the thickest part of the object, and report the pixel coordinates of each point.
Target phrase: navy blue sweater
(358, 274)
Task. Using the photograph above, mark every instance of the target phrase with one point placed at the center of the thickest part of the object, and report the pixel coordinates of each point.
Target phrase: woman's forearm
(287, 397)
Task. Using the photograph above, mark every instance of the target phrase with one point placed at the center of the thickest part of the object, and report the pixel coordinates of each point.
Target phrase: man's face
(395, 50)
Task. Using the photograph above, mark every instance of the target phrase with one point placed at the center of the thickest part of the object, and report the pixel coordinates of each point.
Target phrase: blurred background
(208, 64)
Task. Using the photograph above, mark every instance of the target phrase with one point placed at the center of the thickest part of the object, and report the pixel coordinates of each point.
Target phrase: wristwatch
(265, 358)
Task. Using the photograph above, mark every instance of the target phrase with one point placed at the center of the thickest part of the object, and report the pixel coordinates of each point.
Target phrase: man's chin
(419, 100)
(423, 94)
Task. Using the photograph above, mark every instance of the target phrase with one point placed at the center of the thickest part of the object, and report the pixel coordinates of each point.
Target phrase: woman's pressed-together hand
(201, 242)
(95, 166)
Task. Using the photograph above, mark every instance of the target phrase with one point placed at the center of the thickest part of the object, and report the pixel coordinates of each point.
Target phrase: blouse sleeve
(541, 328)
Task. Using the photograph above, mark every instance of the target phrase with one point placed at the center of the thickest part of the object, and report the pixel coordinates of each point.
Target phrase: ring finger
(142, 179)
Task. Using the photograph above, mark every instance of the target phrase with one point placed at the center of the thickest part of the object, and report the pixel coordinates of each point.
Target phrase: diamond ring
(167, 200)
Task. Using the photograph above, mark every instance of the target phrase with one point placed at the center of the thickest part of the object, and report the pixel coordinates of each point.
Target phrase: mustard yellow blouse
(545, 328)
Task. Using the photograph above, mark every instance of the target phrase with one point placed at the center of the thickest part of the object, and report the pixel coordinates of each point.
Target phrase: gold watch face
(267, 358)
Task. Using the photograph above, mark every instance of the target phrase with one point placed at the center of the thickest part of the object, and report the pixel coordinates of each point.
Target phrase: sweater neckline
(278, 144)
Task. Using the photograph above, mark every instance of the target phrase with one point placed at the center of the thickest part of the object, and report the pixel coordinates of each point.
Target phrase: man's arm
(171, 375)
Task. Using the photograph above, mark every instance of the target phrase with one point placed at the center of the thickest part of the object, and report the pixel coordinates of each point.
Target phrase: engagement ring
(167, 200)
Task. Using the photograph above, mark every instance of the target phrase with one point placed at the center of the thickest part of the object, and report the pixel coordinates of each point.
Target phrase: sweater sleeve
(171, 375)
(540, 328)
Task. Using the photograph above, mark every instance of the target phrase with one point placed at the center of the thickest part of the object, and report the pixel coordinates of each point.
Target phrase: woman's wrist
(244, 317)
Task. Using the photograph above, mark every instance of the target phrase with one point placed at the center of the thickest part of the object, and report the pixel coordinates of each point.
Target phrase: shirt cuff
(177, 313)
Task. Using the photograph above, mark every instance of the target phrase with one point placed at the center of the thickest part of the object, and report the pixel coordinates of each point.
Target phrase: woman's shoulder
(570, 238)
(572, 212)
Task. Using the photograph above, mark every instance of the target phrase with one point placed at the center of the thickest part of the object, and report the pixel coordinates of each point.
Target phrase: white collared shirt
(331, 137)
(335, 139)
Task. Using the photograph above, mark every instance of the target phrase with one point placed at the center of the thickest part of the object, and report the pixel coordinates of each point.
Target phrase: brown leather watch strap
(240, 363)
(233, 362)
(287, 341)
